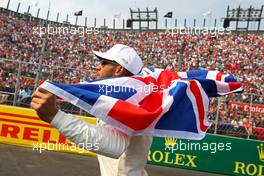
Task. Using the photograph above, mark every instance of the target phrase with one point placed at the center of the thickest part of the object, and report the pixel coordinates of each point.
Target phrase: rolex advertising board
(215, 154)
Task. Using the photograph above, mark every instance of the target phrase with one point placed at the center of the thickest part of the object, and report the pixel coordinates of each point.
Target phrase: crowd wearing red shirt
(68, 57)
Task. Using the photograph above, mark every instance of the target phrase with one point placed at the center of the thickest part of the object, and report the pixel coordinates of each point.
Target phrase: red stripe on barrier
(27, 123)
(19, 116)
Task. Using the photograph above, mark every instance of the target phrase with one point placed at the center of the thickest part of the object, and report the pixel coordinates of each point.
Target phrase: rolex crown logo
(170, 143)
(261, 152)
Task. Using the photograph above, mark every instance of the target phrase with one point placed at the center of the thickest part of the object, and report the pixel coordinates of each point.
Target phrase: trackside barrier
(214, 154)
(22, 127)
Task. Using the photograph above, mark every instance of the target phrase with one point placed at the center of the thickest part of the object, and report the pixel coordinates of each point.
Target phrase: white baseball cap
(124, 55)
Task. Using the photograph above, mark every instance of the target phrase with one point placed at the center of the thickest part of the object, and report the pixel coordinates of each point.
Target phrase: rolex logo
(261, 152)
(170, 143)
(246, 168)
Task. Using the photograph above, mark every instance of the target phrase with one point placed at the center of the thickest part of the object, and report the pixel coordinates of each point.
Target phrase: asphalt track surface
(20, 161)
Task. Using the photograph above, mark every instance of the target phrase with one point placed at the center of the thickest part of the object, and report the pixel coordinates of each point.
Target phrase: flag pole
(76, 20)
(7, 6)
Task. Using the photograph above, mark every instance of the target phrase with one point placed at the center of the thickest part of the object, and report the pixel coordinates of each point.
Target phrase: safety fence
(238, 116)
(19, 79)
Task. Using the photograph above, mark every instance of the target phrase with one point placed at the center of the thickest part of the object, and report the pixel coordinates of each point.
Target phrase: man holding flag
(131, 151)
(134, 107)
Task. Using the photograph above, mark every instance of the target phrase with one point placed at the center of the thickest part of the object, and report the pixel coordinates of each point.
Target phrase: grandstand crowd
(68, 58)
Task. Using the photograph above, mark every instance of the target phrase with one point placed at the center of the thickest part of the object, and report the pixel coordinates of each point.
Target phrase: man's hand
(44, 103)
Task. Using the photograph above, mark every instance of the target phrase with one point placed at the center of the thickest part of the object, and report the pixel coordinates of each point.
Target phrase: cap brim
(101, 55)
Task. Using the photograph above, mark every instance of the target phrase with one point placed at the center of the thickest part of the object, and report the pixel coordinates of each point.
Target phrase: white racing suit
(119, 154)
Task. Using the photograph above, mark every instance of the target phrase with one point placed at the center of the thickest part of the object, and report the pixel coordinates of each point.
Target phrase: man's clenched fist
(44, 103)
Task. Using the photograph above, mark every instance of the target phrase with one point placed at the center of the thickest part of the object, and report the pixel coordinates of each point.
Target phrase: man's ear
(119, 71)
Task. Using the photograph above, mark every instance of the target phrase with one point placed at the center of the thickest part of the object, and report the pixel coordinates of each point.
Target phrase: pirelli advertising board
(21, 126)
(215, 154)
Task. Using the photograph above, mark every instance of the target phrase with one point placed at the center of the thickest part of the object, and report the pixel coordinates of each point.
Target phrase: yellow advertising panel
(22, 127)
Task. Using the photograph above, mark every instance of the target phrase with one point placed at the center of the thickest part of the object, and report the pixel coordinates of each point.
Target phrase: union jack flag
(155, 102)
